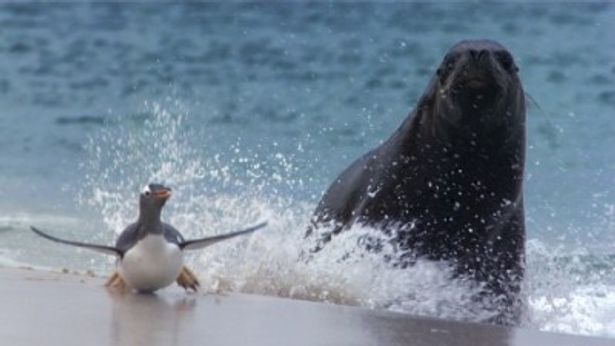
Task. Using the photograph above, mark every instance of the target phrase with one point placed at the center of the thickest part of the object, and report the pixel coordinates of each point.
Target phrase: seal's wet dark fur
(449, 180)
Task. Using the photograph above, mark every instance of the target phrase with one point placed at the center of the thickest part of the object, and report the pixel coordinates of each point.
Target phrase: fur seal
(150, 251)
(447, 185)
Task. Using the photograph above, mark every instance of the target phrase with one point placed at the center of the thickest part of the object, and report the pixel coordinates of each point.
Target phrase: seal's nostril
(478, 54)
(482, 54)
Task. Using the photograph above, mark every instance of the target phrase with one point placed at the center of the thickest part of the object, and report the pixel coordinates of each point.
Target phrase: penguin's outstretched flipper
(109, 250)
(195, 244)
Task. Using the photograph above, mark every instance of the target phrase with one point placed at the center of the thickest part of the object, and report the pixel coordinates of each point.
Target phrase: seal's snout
(476, 75)
(479, 64)
(491, 61)
(479, 73)
(478, 55)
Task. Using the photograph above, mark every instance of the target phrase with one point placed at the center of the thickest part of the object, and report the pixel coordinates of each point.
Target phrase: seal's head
(152, 198)
(477, 86)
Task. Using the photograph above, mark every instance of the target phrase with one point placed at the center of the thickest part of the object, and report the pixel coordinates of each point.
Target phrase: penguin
(149, 251)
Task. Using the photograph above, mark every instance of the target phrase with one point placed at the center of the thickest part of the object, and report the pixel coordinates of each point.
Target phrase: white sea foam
(570, 293)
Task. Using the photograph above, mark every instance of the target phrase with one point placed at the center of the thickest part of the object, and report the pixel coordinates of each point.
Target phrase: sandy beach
(54, 308)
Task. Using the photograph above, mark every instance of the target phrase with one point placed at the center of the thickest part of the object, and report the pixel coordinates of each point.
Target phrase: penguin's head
(154, 196)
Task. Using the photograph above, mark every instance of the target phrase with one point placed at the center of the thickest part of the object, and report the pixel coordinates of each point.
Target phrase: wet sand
(43, 308)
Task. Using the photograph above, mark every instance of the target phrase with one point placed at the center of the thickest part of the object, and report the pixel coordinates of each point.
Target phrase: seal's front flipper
(109, 250)
(204, 242)
(188, 280)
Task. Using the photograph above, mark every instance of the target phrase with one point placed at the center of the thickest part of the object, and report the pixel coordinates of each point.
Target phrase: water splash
(210, 197)
(214, 194)
(124, 158)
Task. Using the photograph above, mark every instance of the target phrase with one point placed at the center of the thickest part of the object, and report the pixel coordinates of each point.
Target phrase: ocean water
(250, 110)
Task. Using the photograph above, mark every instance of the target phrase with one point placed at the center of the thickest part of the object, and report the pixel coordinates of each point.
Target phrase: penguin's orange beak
(163, 194)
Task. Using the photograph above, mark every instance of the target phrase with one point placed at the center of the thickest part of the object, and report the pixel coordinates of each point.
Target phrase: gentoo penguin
(149, 251)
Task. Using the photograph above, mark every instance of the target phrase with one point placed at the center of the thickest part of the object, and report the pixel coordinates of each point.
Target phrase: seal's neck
(439, 144)
(458, 161)
(470, 131)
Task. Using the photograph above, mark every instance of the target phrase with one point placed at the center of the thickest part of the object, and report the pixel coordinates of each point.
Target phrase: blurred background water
(250, 110)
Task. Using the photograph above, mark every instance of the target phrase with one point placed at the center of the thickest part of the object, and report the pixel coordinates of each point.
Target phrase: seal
(447, 185)
(149, 251)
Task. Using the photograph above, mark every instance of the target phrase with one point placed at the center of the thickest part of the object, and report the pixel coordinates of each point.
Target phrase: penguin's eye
(146, 191)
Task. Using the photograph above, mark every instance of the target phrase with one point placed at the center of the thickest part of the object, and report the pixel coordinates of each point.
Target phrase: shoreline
(67, 308)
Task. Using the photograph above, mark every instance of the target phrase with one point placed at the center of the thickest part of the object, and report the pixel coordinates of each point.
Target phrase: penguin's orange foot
(116, 283)
(188, 280)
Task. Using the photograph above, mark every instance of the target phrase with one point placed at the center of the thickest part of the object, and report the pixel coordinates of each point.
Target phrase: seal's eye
(507, 62)
(447, 66)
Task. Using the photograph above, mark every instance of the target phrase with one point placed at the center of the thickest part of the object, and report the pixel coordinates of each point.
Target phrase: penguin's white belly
(151, 264)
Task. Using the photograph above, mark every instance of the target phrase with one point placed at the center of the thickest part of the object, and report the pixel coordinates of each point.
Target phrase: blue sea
(250, 110)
